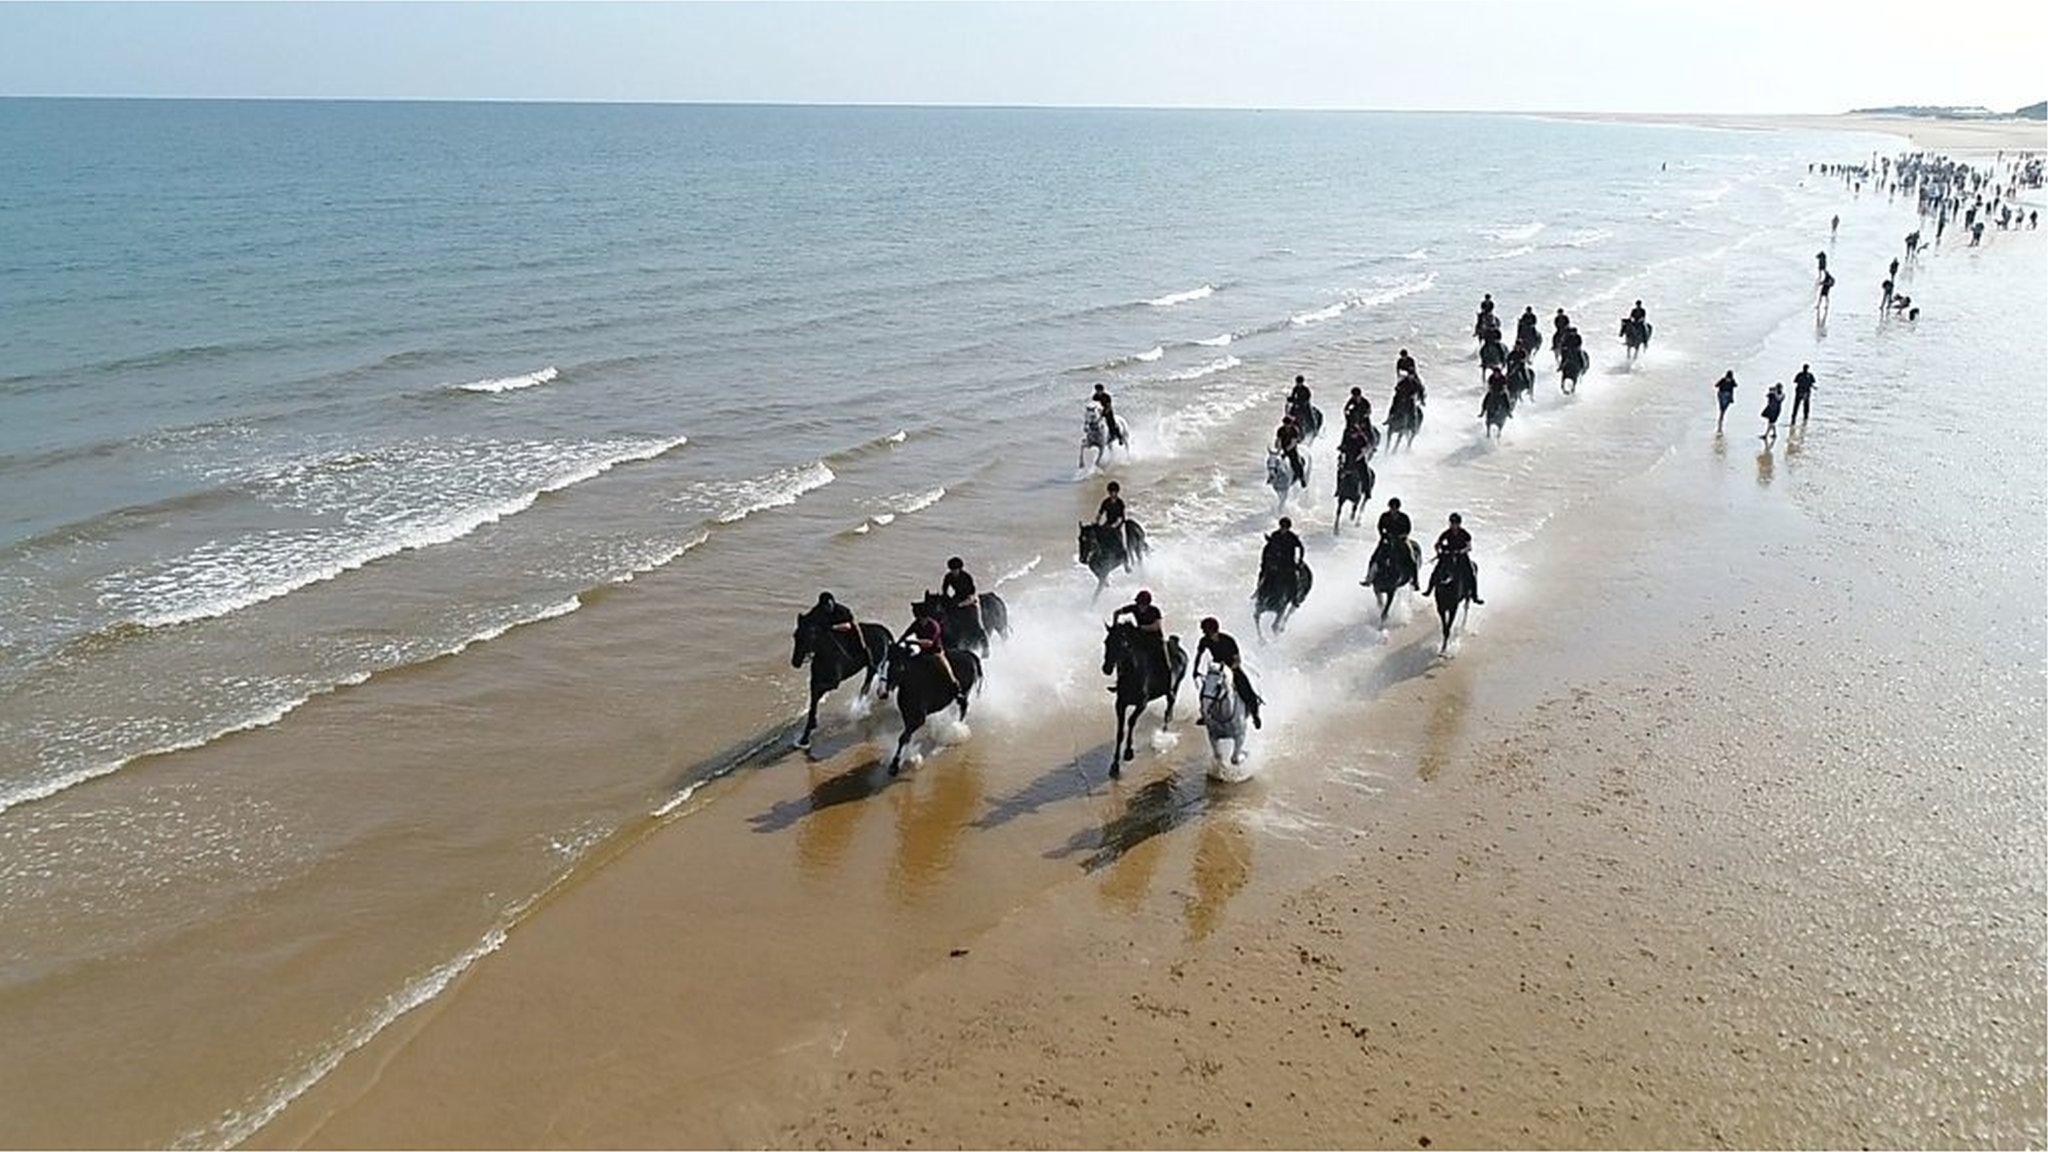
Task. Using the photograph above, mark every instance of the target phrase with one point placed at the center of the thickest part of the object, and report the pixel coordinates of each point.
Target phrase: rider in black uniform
(1455, 546)
(1221, 647)
(1404, 365)
(958, 589)
(1394, 528)
(1356, 409)
(1110, 514)
(1109, 420)
(1287, 441)
(1151, 625)
(838, 619)
(1283, 551)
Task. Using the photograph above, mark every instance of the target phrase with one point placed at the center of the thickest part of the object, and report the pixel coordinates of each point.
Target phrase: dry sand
(1743, 844)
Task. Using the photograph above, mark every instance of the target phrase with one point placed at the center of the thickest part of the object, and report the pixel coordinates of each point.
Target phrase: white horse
(1280, 477)
(1097, 433)
(1222, 717)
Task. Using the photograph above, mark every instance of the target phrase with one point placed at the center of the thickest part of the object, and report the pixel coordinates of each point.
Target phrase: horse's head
(1116, 640)
(802, 640)
(1086, 542)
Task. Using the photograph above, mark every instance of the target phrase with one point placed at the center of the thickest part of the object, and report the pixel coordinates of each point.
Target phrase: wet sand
(2004, 134)
(1733, 836)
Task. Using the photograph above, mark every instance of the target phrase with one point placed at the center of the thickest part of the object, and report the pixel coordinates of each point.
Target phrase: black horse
(1102, 549)
(1309, 419)
(1280, 591)
(961, 626)
(1571, 364)
(833, 658)
(1451, 585)
(1521, 381)
(1491, 354)
(1496, 408)
(1354, 487)
(1528, 340)
(1386, 574)
(1636, 334)
(1139, 681)
(1404, 420)
(922, 691)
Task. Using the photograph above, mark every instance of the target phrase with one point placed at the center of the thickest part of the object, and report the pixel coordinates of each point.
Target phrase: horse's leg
(896, 764)
(1116, 750)
(1131, 731)
(810, 720)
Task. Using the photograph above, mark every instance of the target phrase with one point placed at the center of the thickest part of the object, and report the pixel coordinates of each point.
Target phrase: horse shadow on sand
(1065, 781)
(1153, 809)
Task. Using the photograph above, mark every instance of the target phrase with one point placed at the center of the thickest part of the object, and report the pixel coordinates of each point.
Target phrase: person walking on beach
(1887, 286)
(1834, 226)
(1820, 302)
(1724, 390)
(1774, 401)
(1802, 396)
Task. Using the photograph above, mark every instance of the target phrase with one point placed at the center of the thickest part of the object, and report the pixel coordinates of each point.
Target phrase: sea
(403, 499)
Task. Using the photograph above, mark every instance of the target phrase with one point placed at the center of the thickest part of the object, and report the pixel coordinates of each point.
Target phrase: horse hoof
(1130, 753)
(803, 742)
(894, 769)
(1115, 770)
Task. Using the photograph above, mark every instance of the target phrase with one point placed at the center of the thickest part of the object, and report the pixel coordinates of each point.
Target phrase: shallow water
(469, 463)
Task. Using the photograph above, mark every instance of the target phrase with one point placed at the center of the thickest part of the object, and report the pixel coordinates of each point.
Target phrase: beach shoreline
(1607, 880)
(1928, 134)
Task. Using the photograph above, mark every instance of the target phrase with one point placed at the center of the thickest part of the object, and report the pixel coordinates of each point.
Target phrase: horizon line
(913, 104)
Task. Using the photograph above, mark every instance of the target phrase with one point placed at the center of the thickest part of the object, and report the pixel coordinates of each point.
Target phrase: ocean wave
(920, 501)
(1514, 234)
(220, 578)
(1418, 254)
(1219, 341)
(1511, 253)
(510, 383)
(778, 489)
(1223, 364)
(1395, 291)
(1168, 301)
(1147, 357)
(271, 713)
(1020, 571)
(660, 559)
(1328, 312)
(1586, 237)
(1569, 273)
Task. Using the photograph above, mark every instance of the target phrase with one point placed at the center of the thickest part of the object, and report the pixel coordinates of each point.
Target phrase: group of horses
(1146, 669)
(915, 679)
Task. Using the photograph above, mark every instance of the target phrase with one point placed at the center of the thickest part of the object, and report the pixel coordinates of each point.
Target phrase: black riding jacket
(958, 586)
(1395, 525)
(1111, 512)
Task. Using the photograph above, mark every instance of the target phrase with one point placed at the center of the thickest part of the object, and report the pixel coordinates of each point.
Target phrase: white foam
(1587, 237)
(1511, 253)
(1398, 289)
(660, 559)
(777, 490)
(1168, 301)
(1328, 312)
(920, 501)
(220, 578)
(1148, 356)
(898, 436)
(509, 383)
(1222, 341)
(1019, 572)
(1418, 254)
(1223, 364)
(1515, 233)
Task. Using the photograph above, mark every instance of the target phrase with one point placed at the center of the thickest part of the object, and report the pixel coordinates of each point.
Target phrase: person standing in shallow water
(1802, 395)
(1774, 402)
(1724, 389)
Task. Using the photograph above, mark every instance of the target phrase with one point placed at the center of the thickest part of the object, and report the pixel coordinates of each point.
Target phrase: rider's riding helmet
(1115, 488)
(1286, 522)
(1395, 503)
(1209, 624)
(825, 600)
(1144, 597)
(1457, 519)
(955, 564)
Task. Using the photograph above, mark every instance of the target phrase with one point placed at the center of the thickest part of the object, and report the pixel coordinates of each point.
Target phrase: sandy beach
(1955, 136)
(1730, 836)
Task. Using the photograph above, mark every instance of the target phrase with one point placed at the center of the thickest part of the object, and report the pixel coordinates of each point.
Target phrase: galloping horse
(1222, 715)
(961, 626)
(1354, 487)
(1496, 408)
(1098, 433)
(1635, 335)
(1102, 549)
(1571, 365)
(1521, 381)
(1279, 592)
(1404, 420)
(1386, 576)
(1139, 681)
(832, 660)
(922, 691)
(1280, 476)
(1450, 584)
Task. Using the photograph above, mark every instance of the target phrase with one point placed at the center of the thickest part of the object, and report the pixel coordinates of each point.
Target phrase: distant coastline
(1943, 135)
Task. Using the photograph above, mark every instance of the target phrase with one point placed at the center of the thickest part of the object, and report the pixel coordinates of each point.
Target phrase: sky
(1733, 56)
